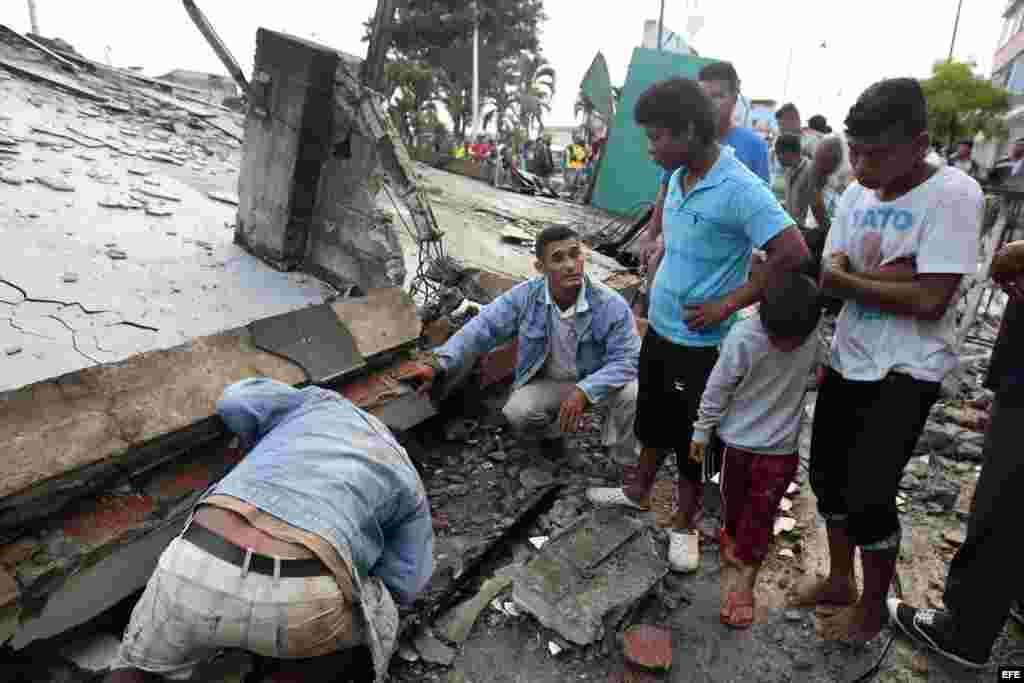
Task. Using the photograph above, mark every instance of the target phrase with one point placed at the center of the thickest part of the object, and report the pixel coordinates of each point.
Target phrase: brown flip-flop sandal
(742, 615)
(725, 614)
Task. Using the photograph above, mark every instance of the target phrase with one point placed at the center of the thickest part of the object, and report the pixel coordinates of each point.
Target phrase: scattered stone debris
(12, 350)
(224, 197)
(135, 170)
(433, 650)
(57, 184)
(117, 254)
(69, 278)
(160, 211)
(120, 203)
(11, 178)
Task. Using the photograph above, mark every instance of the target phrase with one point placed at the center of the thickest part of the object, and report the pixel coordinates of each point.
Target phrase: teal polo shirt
(710, 234)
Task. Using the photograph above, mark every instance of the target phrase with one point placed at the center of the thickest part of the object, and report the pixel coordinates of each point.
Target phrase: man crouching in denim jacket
(298, 553)
(578, 347)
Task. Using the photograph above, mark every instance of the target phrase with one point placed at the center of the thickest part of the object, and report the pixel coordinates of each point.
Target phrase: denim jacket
(323, 465)
(608, 350)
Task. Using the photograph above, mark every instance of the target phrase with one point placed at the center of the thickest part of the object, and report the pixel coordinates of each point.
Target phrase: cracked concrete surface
(66, 300)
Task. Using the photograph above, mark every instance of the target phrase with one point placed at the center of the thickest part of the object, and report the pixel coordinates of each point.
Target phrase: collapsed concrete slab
(318, 149)
(602, 563)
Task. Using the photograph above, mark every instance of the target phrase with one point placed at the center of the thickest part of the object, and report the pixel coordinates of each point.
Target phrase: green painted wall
(628, 176)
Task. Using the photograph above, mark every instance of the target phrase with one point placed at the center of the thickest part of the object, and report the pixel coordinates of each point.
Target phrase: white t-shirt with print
(938, 223)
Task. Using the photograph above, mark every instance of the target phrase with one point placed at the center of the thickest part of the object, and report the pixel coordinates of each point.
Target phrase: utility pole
(952, 43)
(789, 67)
(32, 18)
(476, 70)
(373, 72)
(661, 25)
(956, 25)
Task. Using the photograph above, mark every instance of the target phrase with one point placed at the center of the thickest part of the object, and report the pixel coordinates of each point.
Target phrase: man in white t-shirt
(904, 236)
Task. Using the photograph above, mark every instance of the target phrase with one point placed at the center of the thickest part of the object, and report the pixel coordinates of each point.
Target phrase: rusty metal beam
(225, 56)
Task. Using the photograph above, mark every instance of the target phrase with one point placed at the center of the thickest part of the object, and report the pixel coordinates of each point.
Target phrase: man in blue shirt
(716, 213)
(721, 83)
(299, 552)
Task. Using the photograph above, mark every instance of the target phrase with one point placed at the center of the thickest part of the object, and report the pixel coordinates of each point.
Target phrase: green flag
(597, 87)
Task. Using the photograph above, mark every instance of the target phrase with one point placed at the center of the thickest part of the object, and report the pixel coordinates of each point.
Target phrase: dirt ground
(783, 644)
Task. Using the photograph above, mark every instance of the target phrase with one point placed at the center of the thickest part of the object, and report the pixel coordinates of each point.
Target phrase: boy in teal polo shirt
(716, 212)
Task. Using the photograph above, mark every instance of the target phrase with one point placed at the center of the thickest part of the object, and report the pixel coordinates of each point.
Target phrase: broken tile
(433, 650)
(225, 197)
(157, 194)
(160, 211)
(57, 184)
(648, 647)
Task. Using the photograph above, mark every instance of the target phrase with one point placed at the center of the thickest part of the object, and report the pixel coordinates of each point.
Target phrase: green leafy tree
(413, 87)
(961, 103)
(439, 34)
(535, 79)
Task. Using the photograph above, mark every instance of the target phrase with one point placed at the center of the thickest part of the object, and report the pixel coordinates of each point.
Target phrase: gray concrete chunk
(605, 562)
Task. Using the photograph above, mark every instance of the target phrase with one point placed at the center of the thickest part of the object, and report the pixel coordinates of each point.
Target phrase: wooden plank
(53, 428)
(383, 320)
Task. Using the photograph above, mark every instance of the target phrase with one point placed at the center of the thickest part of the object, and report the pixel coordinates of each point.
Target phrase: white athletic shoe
(683, 551)
(606, 496)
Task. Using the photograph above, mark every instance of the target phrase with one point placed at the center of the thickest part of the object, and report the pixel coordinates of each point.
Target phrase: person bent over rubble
(716, 213)
(754, 399)
(903, 237)
(577, 347)
(299, 552)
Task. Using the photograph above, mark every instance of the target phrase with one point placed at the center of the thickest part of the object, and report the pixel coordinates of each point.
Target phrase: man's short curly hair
(679, 105)
(894, 106)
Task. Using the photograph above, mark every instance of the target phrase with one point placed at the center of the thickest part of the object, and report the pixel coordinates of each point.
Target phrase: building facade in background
(215, 87)
(1008, 62)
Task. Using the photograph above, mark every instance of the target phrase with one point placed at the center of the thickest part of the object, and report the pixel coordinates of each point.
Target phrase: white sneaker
(606, 496)
(683, 551)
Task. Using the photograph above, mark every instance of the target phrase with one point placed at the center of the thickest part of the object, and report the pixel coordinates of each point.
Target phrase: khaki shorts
(196, 605)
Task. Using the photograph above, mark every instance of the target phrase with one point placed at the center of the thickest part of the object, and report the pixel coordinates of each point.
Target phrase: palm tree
(502, 105)
(535, 79)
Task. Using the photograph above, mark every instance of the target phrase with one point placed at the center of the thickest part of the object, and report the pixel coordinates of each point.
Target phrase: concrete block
(383, 320)
(603, 563)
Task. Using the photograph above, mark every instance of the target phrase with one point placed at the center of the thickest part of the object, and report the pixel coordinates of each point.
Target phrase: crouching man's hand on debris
(697, 452)
(571, 411)
(424, 375)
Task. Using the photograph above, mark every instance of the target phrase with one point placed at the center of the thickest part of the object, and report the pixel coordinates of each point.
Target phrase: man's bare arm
(786, 252)
(925, 297)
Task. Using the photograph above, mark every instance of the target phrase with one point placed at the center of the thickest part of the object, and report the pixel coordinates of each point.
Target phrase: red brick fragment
(648, 647)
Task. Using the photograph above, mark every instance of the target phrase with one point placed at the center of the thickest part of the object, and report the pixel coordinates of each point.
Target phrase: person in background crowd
(962, 159)
(1009, 167)
(982, 587)
(806, 183)
(716, 212)
(904, 236)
